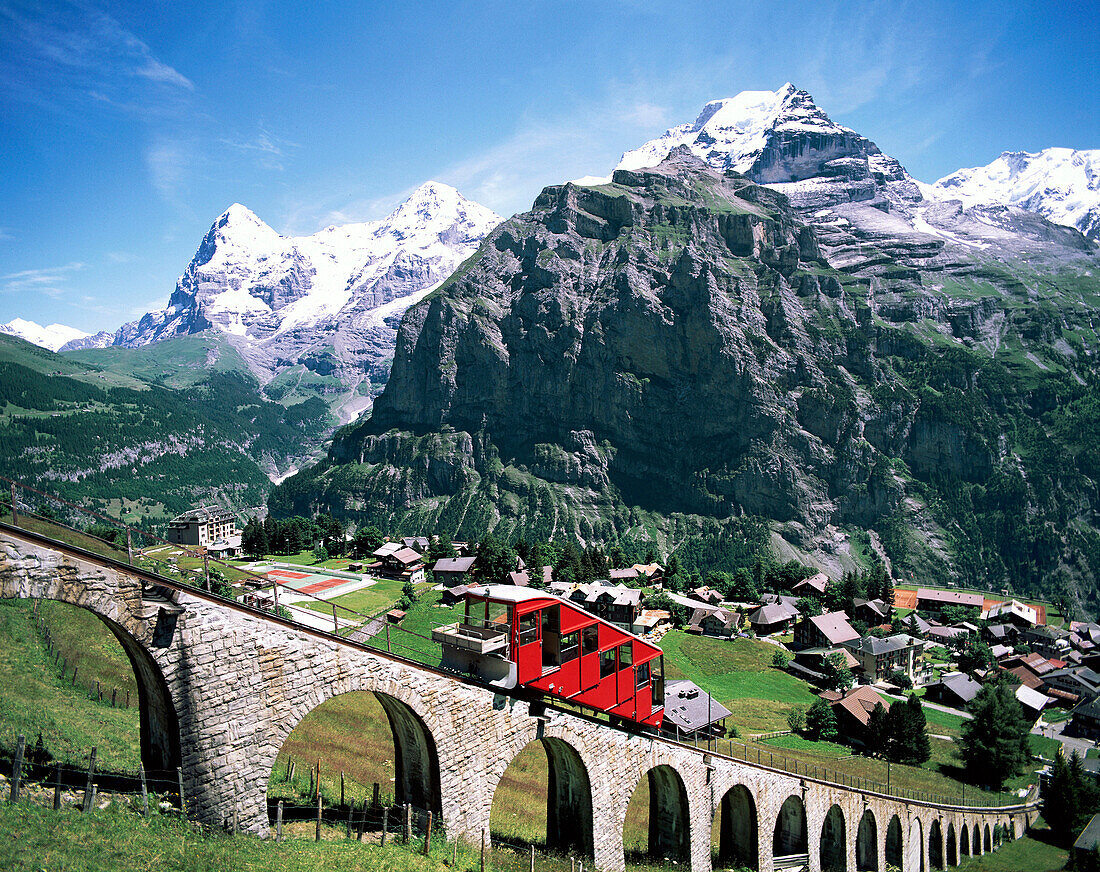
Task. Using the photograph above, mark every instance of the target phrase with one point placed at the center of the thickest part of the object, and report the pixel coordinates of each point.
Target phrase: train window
(607, 663)
(625, 658)
(499, 613)
(570, 647)
(589, 640)
(641, 675)
(551, 637)
(528, 628)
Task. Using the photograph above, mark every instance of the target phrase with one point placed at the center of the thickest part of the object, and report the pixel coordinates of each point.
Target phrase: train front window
(641, 675)
(590, 643)
(607, 663)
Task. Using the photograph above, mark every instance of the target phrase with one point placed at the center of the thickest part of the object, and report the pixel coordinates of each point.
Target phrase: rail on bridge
(772, 811)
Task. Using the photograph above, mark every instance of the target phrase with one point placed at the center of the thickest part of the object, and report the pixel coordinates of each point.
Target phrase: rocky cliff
(680, 348)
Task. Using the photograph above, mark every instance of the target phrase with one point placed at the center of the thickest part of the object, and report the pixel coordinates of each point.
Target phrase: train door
(551, 637)
(529, 648)
(590, 657)
(624, 678)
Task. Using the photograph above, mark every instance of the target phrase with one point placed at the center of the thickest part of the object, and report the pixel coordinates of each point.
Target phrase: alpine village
(738, 509)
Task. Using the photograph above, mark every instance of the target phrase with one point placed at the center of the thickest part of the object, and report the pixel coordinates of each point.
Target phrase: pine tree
(877, 730)
(994, 743)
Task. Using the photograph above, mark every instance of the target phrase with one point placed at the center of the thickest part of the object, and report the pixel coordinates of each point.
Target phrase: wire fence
(410, 646)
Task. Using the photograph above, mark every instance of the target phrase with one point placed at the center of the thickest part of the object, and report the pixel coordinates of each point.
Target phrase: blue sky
(127, 128)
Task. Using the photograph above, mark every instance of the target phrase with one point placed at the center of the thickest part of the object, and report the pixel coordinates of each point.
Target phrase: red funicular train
(514, 636)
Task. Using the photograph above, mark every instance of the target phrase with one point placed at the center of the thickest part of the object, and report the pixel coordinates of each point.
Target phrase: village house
(873, 613)
(1000, 634)
(1085, 720)
(417, 543)
(1081, 683)
(1032, 701)
(955, 689)
(400, 563)
(824, 631)
(1048, 641)
(772, 618)
(691, 712)
(452, 571)
(628, 575)
(853, 711)
(651, 572)
(203, 526)
(813, 660)
(813, 587)
(934, 600)
(877, 658)
(715, 621)
(1013, 612)
(707, 595)
(649, 620)
(615, 603)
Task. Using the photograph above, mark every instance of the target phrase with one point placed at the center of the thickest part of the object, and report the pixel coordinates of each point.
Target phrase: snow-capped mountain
(784, 140)
(247, 280)
(52, 337)
(328, 303)
(1059, 183)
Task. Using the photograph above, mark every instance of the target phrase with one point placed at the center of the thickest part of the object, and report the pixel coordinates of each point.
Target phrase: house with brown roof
(402, 564)
(723, 623)
(707, 595)
(814, 586)
(935, 600)
(872, 612)
(853, 711)
(824, 631)
(629, 575)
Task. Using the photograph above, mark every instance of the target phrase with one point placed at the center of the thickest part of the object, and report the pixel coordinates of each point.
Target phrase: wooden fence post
(183, 800)
(376, 803)
(89, 787)
(14, 510)
(362, 819)
(57, 789)
(532, 858)
(335, 622)
(385, 823)
(279, 822)
(408, 822)
(483, 851)
(341, 787)
(428, 835)
(17, 768)
(129, 547)
(317, 835)
(144, 793)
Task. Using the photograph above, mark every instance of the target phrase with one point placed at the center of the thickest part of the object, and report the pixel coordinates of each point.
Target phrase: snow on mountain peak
(248, 281)
(731, 133)
(1061, 184)
(52, 336)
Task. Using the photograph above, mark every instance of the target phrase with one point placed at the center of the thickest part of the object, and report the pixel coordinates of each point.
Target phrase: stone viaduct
(222, 686)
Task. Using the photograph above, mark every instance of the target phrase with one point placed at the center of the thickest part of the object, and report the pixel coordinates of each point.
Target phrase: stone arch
(416, 760)
(867, 843)
(988, 846)
(833, 843)
(976, 840)
(893, 852)
(914, 854)
(935, 845)
(669, 819)
(951, 848)
(159, 727)
(569, 825)
(964, 841)
(998, 834)
(789, 837)
(737, 829)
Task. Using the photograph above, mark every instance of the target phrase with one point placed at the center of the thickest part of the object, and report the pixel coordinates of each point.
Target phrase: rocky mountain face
(682, 348)
(1059, 183)
(317, 315)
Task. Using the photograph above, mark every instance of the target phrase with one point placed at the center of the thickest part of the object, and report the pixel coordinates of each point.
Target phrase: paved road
(1069, 743)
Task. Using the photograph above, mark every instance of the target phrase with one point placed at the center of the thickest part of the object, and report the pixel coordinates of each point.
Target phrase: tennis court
(316, 584)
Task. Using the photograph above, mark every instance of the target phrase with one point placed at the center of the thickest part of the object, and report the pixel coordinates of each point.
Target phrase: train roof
(512, 594)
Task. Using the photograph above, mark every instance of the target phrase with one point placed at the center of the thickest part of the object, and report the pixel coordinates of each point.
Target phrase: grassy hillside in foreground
(34, 839)
(35, 699)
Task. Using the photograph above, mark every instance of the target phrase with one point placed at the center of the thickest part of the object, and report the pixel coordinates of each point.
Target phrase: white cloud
(167, 161)
(47, 280)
